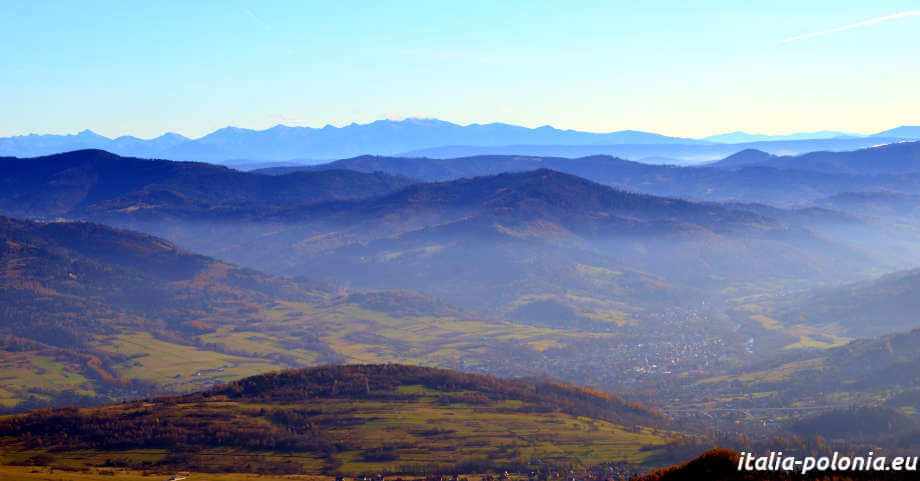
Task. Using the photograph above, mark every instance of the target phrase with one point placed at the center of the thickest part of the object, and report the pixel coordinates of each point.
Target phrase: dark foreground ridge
(381, 381)
(347, 420)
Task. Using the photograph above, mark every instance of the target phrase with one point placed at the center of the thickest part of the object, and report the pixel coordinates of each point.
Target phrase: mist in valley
(424, 242)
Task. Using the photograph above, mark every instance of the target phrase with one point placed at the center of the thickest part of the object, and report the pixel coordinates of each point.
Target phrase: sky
(674, 67)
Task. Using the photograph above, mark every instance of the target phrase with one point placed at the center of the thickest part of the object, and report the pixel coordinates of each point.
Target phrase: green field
(390, 419)
(34, 374)
(423, 432)
(271, 336)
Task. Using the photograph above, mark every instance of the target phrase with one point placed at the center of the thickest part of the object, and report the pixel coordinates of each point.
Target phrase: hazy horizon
(754, 133)
(690, 71)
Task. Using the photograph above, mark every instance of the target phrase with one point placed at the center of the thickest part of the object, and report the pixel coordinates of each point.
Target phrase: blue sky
(677, 68)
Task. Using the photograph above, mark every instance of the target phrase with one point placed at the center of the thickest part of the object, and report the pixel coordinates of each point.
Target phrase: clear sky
(686, 68)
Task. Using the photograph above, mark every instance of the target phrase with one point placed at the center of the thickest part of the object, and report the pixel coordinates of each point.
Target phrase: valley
(459, 241)
(717, 313)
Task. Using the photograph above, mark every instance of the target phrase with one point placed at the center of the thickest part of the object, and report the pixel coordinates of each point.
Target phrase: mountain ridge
(507, 217)
(738, 137)
(283, 143)
(414, 136)
(69, 183)
(414, 238)
(748, 181)
(892, 158)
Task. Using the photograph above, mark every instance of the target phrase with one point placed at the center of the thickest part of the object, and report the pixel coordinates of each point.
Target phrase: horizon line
(386, 119)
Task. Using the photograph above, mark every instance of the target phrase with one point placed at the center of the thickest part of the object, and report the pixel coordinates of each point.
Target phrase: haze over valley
(683, 288)
(443, 242)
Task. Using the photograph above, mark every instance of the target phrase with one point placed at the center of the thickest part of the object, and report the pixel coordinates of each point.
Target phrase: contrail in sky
(855, 25)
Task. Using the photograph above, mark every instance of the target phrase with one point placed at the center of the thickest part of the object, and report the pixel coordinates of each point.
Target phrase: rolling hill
(536, 235)
(346, 420)
(59, 184)
(545, 242)
(891, 158)
(871, 308)
(388, 419)
(880, 225)
(90, 314)
(685, 153)
(750, 182)
(883, 204)
(744, 158)
(865, 393)
(552, 250)
(831, 316)
(68, 184)
(864, 372)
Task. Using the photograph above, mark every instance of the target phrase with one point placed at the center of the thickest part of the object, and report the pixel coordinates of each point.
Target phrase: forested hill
(74, 184)
(65, 282)
(89, 313)
(748, 175)
(349, 420)
(893, 158)
(871, 308)
(384, 381)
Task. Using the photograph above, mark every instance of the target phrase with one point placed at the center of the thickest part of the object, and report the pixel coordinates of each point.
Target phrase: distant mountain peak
(904, 131)
(231, 128)
(744, 158)
(172, 135)
(750, 153)
(89, 134)
(87, 154)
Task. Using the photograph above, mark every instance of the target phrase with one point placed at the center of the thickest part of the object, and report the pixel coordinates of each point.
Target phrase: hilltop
(890, 158)
(745, 157)
(389, 419)
(347, 420)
